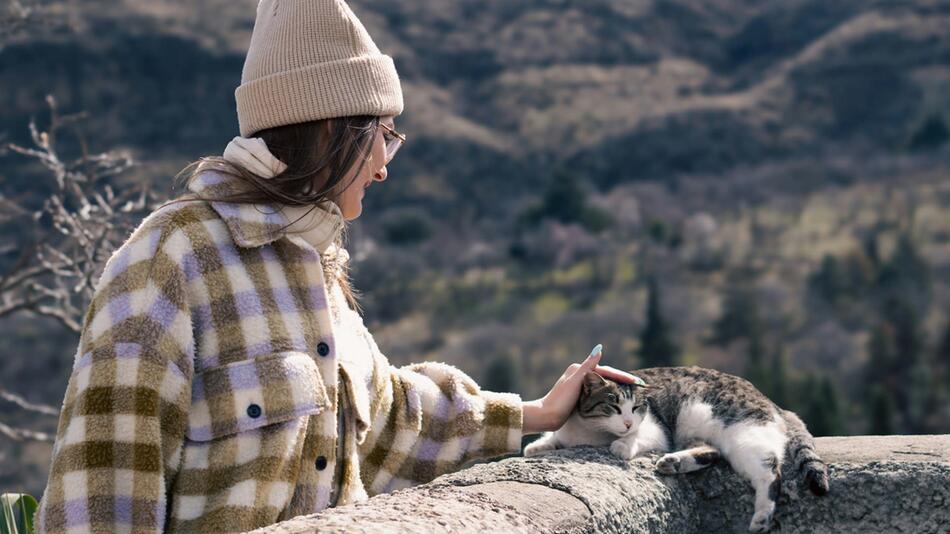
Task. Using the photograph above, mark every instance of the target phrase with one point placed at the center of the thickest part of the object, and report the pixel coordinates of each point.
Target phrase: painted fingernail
(596, 350)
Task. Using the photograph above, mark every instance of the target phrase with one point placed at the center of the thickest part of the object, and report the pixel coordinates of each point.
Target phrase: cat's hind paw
(668, 464)
(623, 450)
(762, 522)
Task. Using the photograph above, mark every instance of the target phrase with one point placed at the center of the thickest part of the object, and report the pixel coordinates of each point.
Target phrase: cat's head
(610, 406)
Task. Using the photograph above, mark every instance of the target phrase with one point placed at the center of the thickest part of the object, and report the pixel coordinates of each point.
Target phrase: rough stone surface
(878, 484)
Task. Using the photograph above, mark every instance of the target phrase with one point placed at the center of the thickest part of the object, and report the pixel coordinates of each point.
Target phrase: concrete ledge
(878, 484)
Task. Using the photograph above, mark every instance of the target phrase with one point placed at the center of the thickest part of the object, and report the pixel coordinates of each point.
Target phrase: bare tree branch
(78, 227)
(19, 434)
(62, 246)
(27, 405)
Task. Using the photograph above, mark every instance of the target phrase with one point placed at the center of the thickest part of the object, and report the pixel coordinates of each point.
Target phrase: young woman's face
(351, 201)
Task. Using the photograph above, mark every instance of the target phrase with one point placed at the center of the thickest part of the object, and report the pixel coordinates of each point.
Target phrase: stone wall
(878, 484)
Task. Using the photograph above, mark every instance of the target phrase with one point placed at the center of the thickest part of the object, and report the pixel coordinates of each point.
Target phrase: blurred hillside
(776, 174)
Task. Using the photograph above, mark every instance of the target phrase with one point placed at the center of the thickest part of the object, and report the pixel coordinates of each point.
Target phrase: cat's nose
(628, 423)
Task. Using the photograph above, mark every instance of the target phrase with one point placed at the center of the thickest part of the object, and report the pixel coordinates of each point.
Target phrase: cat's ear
(594, 380)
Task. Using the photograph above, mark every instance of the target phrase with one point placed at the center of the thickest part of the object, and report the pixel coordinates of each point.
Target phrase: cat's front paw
(762, 522)
(537, 447)
(668, 464)
(623, 449)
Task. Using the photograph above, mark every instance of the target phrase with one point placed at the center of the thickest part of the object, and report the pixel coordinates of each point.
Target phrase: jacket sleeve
(430, 418)
(124, 414)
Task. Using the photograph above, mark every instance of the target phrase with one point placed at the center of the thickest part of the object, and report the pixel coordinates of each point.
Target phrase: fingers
(593, 358)
(580, 369)
(588, 364)
(616, 374)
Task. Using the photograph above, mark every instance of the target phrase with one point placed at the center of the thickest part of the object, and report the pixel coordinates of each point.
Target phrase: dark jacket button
(321, 462)
(323, 349)
(253, 411)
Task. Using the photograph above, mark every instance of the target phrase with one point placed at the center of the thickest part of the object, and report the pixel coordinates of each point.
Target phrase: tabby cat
(694, 415)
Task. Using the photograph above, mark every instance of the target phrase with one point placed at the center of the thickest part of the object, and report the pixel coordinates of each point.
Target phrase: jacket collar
(251, 225)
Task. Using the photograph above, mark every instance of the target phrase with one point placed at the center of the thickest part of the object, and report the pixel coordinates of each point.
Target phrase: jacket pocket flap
(253, 393)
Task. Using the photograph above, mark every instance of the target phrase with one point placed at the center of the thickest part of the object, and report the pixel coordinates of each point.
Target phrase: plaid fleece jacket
(213, 364)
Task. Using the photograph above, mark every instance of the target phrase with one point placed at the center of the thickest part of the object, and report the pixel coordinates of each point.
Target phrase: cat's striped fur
(695, 416)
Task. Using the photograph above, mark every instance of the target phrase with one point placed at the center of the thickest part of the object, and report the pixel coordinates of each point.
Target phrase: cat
(695, 416)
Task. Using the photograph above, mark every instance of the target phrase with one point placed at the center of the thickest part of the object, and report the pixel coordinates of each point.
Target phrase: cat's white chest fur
(647, 436)
(574, 432)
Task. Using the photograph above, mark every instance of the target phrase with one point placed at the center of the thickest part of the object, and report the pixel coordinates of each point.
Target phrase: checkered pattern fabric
(212, 367)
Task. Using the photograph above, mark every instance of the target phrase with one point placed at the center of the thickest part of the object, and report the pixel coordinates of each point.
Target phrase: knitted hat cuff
(362, 85)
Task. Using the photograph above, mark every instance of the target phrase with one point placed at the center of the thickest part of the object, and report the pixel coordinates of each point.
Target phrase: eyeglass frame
(399, 136)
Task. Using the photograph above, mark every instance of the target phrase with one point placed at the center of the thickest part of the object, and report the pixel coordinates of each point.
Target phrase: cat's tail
(801, 450)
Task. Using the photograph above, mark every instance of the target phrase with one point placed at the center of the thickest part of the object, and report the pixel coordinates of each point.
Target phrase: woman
(224, 379)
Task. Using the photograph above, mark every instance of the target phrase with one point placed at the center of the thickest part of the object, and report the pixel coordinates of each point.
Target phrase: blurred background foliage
(762, 187)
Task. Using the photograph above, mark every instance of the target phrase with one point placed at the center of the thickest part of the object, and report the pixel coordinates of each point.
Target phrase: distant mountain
(616, 91)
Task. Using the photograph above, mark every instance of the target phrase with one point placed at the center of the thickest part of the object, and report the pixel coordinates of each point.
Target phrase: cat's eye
(611, 397)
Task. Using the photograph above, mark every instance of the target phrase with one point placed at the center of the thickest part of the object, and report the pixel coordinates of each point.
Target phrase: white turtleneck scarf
(321, 226)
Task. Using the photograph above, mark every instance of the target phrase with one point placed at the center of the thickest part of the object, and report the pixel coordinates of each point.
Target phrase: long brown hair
(318, 155)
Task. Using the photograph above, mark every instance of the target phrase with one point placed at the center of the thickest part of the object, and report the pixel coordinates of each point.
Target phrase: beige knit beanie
(310, 60)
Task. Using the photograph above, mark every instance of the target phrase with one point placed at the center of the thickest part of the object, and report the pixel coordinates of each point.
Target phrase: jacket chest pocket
(255, 393)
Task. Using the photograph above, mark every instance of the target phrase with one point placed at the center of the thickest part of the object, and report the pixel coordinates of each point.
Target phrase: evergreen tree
(778, 376)
(842, 283)
(883, 360)
(941, 393)
(822, 412)
(564, 199)
(831, 401)
(910, 369)
(881, 413)
(942, 358)
(906, 275)
(740, 315)
(755, 366)
(829, 281)
(931, 134)
(882, 378)
(871, 250)
(656, 344)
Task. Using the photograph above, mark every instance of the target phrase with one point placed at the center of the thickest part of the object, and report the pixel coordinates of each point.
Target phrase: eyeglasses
(393, 140)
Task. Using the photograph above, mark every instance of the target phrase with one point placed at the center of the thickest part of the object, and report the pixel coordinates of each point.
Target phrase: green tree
(740, 315)
(565, 200)
(822, 411)
(881, 412)
(883, 360)
(778, 377)
(830, 280)
(838, 280)
(942, 359)
(910, 370)
(755, 365)
(407, 229)
(906, 275)
(931, 134)
(656, 342)
(871, 250)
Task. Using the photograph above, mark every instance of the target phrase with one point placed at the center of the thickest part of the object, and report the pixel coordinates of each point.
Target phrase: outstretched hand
(552, 410)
